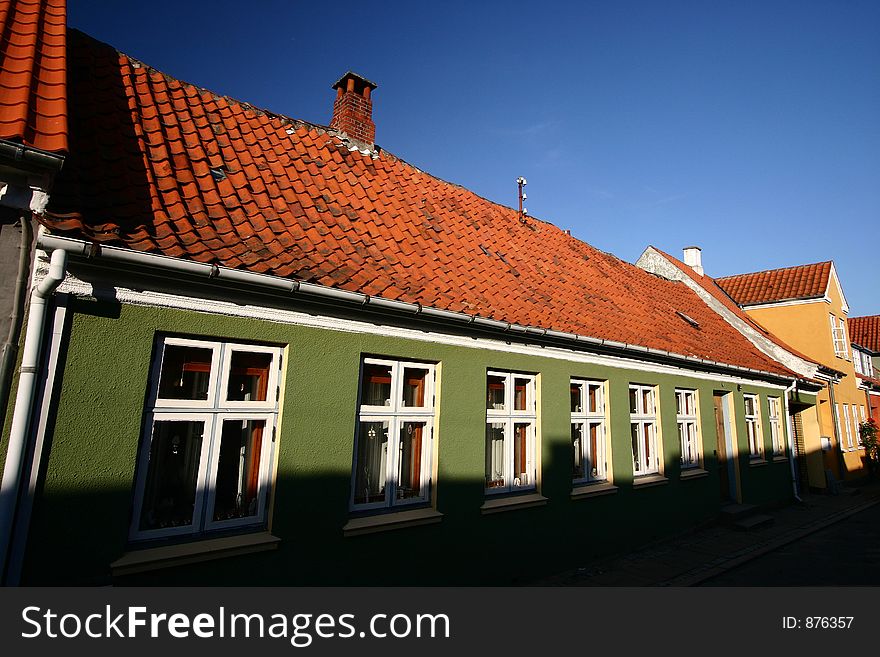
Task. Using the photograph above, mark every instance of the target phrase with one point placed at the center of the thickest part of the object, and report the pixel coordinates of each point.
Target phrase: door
(723, 449)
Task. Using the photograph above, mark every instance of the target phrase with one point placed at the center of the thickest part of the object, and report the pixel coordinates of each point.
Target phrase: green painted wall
(81, 519)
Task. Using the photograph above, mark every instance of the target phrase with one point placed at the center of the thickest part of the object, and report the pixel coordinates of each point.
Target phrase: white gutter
(790, 427)
(293, 287)
(24, 400)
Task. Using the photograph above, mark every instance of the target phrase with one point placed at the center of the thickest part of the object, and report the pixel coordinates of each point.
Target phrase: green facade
(82, 511)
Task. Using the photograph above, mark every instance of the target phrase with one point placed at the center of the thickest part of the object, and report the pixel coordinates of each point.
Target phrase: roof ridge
(310, 124)
(769, 271)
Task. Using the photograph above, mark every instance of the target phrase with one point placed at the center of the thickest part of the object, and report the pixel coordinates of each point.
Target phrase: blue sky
(749, 128)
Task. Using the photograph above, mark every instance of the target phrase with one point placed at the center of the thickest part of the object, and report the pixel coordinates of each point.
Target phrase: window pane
(414, 386)
(495, 392)
(522, 475)
(372, 460)
(409, 465)
(680, 404)
(248, 376)
(637, 461)
(647, 401)
(238, 469)
(576, 389)
(750, 405)
(495, 455)
(170, 490)
(633, 400)
(577, 445)
(647, 437)
(594, 455)
(520, 396)
(593, 405)
(185, 372)
(376, 385)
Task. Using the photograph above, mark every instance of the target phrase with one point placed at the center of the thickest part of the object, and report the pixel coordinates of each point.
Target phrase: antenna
(520, 183)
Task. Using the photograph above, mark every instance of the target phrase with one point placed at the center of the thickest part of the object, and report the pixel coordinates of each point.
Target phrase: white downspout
(790, 430)
(24, 400)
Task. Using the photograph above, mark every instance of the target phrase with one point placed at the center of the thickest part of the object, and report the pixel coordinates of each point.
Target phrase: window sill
(757, 462)
(169, 556)
(647, 481)
(512, 503)
(694, 473)
(390, 521)
(780, 458)
(593, 490)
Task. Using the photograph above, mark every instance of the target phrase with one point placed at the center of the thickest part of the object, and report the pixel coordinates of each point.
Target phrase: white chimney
(693, 258)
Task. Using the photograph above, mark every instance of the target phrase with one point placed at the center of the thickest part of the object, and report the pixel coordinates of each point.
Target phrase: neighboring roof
(787, 284)
(865, 331)
(711, 286)
(161, 166)
(33, 106)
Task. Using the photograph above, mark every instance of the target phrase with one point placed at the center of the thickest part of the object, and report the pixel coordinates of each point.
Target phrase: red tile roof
(33, 106)
(788, 284)
(161, 166)
(865, 331)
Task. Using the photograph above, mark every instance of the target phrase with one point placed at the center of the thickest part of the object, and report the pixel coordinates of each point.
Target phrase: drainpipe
(841, 463)
(24, 401)
(790, 426)
(9, 351)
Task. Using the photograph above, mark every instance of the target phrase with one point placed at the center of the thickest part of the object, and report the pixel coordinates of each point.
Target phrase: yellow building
(805, 307)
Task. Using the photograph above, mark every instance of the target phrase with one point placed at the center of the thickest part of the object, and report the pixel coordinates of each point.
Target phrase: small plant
(870, 436)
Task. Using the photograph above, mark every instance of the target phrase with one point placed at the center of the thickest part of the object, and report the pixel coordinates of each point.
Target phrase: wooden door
(721, 447)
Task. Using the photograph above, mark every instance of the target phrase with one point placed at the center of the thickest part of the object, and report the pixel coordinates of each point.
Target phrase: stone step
(733, 512)
(753, 522)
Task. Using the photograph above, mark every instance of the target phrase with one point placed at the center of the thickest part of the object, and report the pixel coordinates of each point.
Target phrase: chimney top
(353, 109)
(693, 258)
(359, 83)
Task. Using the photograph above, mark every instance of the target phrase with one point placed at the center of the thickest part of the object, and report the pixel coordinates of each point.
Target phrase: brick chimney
(353, 109)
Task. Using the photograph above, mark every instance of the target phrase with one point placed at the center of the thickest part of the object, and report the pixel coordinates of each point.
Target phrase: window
(838, 335)
(775, 428)
(393, 446)
(688, 427)
(753, 426)
(510, 432)
(857, 361)
(205, 459)
(859, 435)
(643, 429)
(846, 423)
(588, 430)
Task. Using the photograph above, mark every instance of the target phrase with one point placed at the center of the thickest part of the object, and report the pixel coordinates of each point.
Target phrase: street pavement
(833, 539)
(844, 554)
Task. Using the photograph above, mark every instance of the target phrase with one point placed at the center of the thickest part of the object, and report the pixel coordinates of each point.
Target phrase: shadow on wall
(76, 535)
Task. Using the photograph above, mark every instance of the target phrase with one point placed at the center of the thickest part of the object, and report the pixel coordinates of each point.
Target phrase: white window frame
(848, 425)
(645, 418)
(864, 419)
(212, 412)
(753, 427)
(688, 427)
(586, 418)
(773, 418)
(396, 414)
(510, 417)
(838, 336)
(857, 361)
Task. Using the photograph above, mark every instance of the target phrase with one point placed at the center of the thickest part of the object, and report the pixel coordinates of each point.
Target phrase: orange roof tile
(291, 199)
(787, 284)
(33, 95)
(865, 331)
